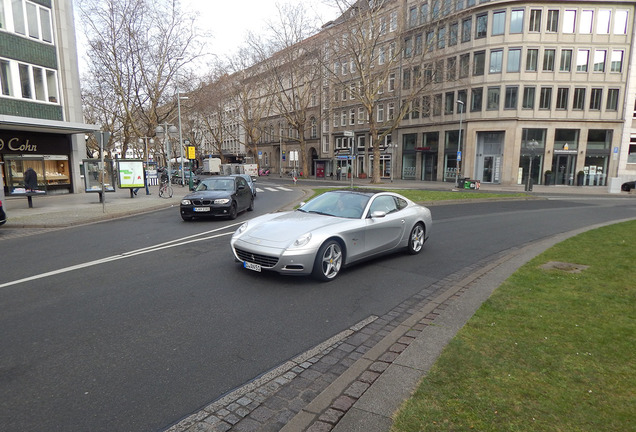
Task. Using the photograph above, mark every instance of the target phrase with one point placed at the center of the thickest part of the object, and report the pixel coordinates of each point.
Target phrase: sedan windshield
(216, 184)
(337, 204)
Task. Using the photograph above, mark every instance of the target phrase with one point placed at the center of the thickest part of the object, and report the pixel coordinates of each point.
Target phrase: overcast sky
(229, 21)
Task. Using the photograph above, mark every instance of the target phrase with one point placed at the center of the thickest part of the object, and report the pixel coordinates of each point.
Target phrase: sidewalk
(54, 211)
(356, 380)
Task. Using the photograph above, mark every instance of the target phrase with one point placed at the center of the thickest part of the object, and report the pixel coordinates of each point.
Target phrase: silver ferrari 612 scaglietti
(331, 231)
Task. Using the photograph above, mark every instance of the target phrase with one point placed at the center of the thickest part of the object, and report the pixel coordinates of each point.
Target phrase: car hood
(208, 195)
(287, 227)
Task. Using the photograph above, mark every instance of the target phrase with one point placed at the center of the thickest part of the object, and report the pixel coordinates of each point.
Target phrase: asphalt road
(160, 321)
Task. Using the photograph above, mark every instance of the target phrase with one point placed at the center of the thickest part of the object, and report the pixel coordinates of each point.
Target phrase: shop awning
(45, 126)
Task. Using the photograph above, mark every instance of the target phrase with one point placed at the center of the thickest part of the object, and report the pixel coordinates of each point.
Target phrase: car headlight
(240, 230)
(302, 240)
(186, 202)
(222, 201)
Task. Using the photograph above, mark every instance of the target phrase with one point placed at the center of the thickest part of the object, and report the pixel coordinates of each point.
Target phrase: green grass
(549, 351)
(423, 196)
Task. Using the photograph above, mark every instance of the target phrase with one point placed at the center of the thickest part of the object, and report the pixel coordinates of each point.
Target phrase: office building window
(535, 20)
(585, 25)
(545, 98)
(596, 96)
(620, 22)
(481, 26)
(479, 60)
(437, 104)
(451, 69)
(548, 60)
(516, 21)
(498, 23)
(467, 29)
(514, 60)
(566, 60)
(453, 34)
(562, 98)
(496, 60)
(5, 78)
(553, 21)
(510, 100)
(528, 97)
(578, 102)
(441, 38)
(464, 65)
(616, 64)
(599, 60)
(476, 97)
(612, 100)
(449, 102)
(582, 58)
(569, 21)
(603, 22)
(532, 58)
(493, 97)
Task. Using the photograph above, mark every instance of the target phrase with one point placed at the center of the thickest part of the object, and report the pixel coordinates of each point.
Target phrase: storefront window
(566, 139)
(25, 176)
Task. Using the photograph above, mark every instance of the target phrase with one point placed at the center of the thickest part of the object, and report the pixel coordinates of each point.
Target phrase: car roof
(367, 192)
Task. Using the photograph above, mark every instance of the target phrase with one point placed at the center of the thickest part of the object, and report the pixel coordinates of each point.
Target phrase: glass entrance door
(563, 166)
(489, 164)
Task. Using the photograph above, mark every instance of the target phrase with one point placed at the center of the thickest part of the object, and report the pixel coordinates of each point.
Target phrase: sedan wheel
(328, 261)
(416, 239)
(233, 211)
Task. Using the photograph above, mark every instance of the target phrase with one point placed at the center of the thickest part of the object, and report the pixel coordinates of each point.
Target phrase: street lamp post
(145, 140)
(459, 143)
(164, 131)
(532, 145)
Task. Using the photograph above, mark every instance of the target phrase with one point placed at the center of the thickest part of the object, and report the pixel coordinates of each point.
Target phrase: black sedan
(218, 196)
(627, 186)
(3, 216)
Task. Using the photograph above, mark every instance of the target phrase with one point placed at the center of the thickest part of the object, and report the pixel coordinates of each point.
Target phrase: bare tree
(376, 65)
(290, 60)
(136, 48)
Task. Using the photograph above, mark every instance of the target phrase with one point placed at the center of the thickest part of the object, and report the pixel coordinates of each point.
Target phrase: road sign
(459, 155)
(349, 133)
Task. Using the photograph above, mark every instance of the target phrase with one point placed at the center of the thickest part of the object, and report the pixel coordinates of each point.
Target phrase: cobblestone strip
(270, 402)
(227, 412)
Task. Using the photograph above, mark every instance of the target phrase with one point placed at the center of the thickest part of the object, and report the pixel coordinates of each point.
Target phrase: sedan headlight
(186, 202)
(222, 201)
(302, 240)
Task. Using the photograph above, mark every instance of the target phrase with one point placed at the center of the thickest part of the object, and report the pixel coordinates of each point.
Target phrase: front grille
(202, 202)
(262, 260)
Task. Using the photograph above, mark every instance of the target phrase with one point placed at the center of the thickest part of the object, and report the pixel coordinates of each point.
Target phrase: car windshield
(338, 204)
(216, 184)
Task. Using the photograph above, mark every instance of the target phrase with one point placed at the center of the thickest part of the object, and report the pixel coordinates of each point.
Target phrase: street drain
(563, 266)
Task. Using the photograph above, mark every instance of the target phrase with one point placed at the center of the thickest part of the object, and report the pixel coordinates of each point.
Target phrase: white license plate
(202, 209)
(251, 266)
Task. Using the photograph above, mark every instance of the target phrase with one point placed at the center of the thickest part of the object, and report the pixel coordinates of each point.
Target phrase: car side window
(383, 203)
(241, 182)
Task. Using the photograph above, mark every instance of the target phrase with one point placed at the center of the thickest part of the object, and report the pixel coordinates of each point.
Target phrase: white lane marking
(285, 189)
(170, 244)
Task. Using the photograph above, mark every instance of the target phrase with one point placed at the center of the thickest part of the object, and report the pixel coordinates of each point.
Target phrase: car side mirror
(378, 214)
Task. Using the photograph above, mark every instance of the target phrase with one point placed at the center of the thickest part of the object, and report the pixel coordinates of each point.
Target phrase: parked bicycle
(165, 190)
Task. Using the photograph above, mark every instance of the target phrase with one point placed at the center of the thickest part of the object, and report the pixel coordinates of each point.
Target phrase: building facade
(505, 90)
(41, 124)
